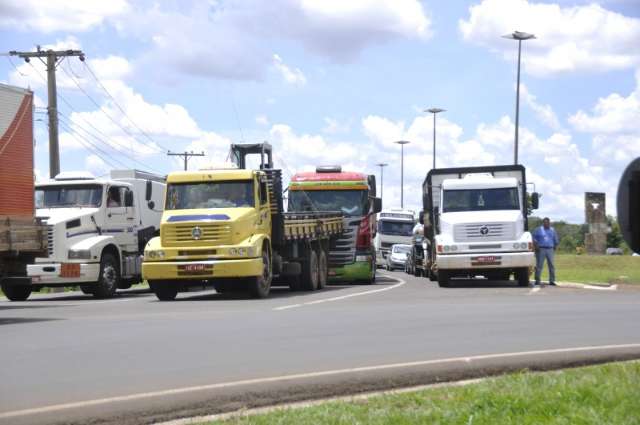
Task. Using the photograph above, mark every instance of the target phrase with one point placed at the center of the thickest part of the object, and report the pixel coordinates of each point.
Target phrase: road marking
(300, 376)
(342, 297)
(587, 286)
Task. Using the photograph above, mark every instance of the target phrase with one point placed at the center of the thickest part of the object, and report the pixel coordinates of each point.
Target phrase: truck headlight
(154, 254)
(79, 254)
(242, 252)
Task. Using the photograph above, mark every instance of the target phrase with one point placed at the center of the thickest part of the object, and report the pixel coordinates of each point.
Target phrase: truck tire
(87, 289)
(323, 269)
(443, 279)
(309, 277)
(165, 291)
(108, 278)
(522, 276)
(260, 286)
(16, 292)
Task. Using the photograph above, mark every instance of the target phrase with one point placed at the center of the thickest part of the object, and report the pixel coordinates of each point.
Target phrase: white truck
(475, 220)
(97, 229)
(395, 226)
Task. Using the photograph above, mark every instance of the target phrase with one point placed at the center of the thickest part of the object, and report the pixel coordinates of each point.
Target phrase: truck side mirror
(128, 199)
(436, 219)
(421, 217)
(377, 205)
(149, 191)
(535, 200)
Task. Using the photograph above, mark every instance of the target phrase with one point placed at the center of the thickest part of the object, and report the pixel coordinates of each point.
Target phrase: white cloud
(96, 165)
(543, 112)
(579, 38)
(262, 119)
(59, 15)
(333, 126)
(232, 40)
(290, 76)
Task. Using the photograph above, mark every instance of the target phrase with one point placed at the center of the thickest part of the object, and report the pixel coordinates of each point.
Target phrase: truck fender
(96, 245)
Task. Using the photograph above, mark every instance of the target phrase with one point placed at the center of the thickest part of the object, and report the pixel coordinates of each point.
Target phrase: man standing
(545, 241)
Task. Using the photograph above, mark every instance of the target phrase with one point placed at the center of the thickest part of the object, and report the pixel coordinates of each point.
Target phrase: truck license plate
(486, 260)
(69, 270)
(194, 268)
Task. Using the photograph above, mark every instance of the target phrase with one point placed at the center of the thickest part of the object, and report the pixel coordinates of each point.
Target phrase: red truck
(22, 237)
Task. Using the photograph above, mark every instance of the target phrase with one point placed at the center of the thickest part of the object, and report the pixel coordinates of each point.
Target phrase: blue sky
(338, 82)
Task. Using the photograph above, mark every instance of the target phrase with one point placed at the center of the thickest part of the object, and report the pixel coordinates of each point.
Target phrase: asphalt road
(132, 359)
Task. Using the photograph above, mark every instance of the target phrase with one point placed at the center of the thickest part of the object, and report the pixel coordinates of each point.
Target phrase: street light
(434, 111)
(402, 143)
(518, 35)
(382, 165)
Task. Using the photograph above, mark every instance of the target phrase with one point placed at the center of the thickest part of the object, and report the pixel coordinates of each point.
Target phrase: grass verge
(596, 269)
(605, 394)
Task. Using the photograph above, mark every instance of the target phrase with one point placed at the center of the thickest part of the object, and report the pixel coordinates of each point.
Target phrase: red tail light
(363, 240)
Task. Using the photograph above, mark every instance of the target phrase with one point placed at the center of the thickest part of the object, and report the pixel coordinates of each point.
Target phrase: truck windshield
(397, 228)
(480, 199)
(68, 196)
(349, 202)
(219, 194)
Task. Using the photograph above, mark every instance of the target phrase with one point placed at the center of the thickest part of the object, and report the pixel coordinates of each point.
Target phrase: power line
(186, 156)
(119, 107)
(91, 147)
(100, 107)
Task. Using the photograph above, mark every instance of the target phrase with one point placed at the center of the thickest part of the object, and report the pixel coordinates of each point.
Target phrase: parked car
(398, 257)
(614, 251)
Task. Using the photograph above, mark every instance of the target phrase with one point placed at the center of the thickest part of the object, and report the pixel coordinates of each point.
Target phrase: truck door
(119, 222)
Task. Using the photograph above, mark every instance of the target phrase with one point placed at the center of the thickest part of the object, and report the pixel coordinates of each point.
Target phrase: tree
(614, 237)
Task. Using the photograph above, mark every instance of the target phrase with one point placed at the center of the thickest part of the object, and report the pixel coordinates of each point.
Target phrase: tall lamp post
(434, 111)
(381, 165)
(402, 143)
(520, 36)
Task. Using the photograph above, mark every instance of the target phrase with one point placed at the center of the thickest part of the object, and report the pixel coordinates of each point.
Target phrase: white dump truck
(475, 220)
(395, 226)
(97, 229)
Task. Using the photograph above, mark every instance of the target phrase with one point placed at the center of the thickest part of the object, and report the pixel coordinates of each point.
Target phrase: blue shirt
(545, 238)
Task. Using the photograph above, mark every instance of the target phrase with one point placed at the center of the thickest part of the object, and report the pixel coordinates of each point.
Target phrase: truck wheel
(86, 289)
(323, 269)
(443, 279)
(165, 291)
(108, 278)
(522, 276)
(260, 286)
(16, 292)
(309, 276)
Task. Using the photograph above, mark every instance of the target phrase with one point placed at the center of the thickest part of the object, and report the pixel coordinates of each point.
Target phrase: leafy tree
(568, 244)
(614, 237)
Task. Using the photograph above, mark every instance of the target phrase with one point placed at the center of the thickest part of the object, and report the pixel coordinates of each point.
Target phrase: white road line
(342, 297)
(299, 376)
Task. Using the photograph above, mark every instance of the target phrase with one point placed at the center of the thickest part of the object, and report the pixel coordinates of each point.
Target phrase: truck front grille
(209, 233)
(343, 250)
(481, 232)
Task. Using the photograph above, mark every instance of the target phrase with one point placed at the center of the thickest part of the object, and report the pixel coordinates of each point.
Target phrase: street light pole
(402, 143)
(520, 36)
(434, 111)
(382, 165)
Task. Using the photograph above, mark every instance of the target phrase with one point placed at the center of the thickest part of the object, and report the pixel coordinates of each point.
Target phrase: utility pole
(402, 143)
(382, 165)
(186, 155)
(54, 57)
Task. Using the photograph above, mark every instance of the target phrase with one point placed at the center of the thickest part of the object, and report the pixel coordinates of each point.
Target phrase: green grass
(607, 394)
(596, 269)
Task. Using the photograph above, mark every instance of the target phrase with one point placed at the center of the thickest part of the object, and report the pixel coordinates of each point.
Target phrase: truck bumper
(502, 260)
(50, 274)
(201, 270)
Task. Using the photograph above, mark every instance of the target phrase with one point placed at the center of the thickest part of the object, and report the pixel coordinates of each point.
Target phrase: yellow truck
(228, 228)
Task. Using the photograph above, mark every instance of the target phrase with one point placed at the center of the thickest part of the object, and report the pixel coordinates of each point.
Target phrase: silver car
(398, 256)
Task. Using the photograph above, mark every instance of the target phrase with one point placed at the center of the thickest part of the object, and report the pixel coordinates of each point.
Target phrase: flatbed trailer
(227, 228)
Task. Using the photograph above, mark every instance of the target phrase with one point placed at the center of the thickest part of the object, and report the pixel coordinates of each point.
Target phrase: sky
(338, 82)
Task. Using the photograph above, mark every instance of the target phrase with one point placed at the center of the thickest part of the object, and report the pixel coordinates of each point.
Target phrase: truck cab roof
(479, 182)
(210, 175)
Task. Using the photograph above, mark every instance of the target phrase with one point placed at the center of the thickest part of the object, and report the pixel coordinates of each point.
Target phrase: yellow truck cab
(222, 228)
